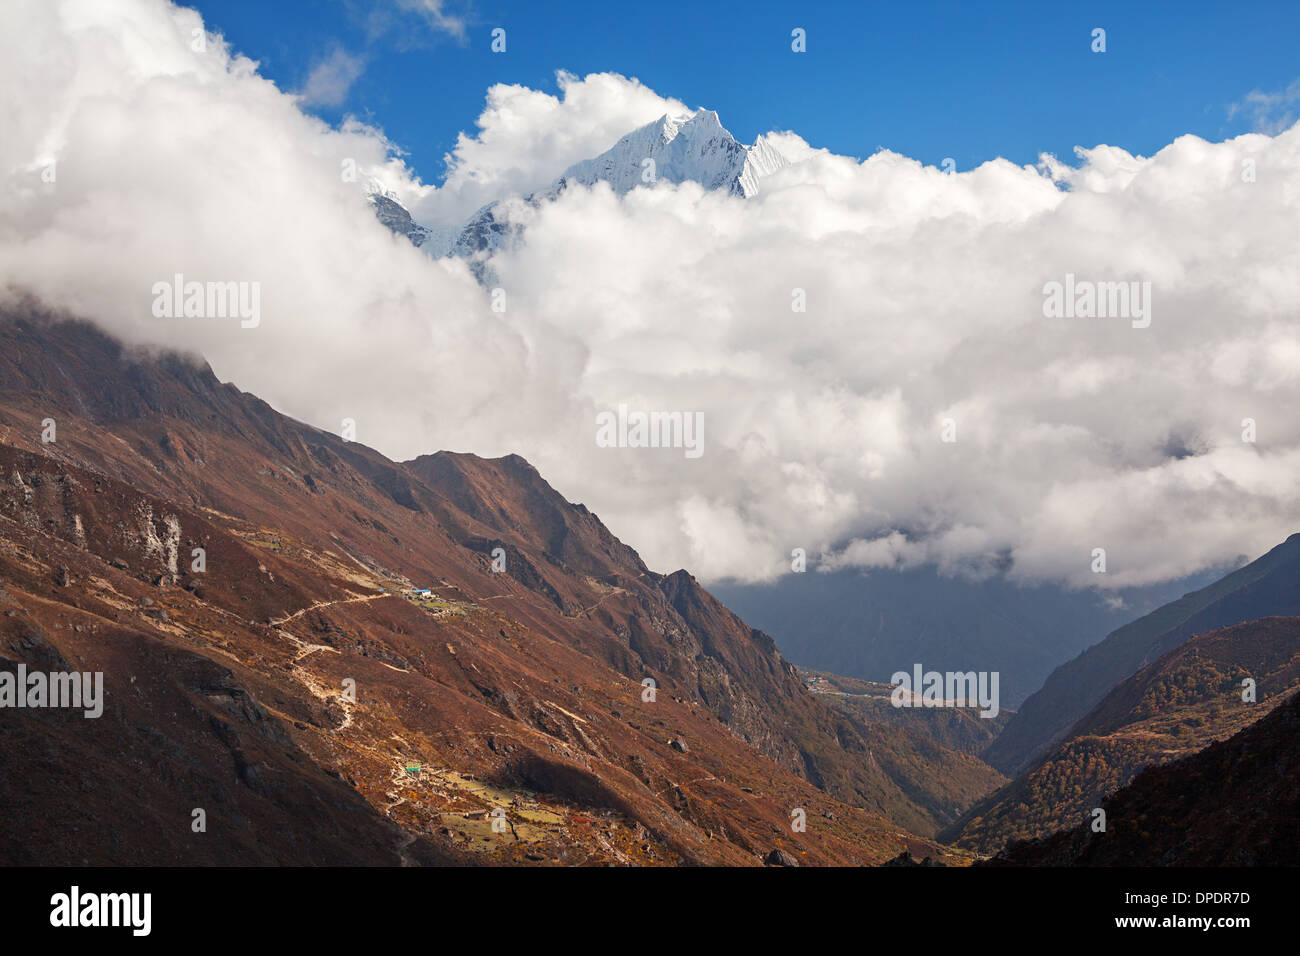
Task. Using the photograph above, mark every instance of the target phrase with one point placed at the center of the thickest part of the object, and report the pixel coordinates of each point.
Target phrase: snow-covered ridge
(395, 216)
(694, 148)
(674, 149)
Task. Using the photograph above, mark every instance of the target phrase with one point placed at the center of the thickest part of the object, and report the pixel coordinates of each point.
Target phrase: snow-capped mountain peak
(693, 147)
(676, 149)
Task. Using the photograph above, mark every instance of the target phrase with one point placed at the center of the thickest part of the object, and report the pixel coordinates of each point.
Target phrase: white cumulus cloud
(823, 428)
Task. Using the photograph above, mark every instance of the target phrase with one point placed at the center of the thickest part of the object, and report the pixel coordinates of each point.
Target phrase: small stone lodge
(421, 592)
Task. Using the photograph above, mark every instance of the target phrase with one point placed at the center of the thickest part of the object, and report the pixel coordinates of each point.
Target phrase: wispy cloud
(406, 23)
(436, 15)
(331, 78)
(1270, 112)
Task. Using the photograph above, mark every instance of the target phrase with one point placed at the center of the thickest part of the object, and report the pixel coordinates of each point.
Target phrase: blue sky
(930, 80)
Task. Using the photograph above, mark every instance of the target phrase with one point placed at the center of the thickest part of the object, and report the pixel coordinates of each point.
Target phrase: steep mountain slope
(397, 218)
(517, 691)
(1236, 803)
(1175, 706)
(668, 623)
(934, 780)
(930, 753)
(1267, 586)
(953, 728)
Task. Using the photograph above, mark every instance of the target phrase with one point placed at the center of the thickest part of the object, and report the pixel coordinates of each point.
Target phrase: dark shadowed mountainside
(1175, 706)
(1267, 586)
(1236, 803)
